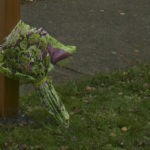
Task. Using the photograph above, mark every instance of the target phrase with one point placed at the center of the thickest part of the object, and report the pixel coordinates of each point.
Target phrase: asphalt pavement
(109, 35)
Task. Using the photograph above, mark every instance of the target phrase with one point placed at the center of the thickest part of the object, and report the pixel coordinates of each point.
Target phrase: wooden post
(9, 89)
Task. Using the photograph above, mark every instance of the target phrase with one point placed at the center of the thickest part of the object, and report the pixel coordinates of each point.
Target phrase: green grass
(99, 107)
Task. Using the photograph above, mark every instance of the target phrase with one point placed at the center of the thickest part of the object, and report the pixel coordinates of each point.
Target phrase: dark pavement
(109, 34)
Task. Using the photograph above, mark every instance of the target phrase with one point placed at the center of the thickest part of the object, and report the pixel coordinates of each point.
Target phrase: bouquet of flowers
(28, 54)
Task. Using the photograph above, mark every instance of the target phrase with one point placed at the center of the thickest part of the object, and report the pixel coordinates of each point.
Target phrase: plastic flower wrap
(28, 54)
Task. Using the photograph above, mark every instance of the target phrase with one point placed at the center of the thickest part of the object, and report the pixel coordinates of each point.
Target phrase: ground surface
(109, 35)
(107, 112)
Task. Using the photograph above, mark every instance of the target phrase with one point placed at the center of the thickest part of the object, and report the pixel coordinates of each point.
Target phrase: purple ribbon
(57, 54)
